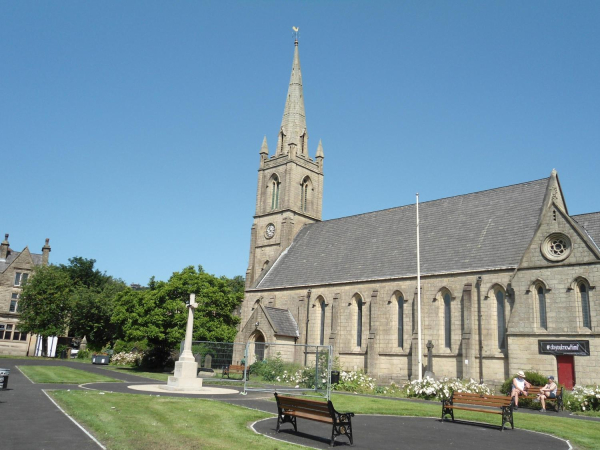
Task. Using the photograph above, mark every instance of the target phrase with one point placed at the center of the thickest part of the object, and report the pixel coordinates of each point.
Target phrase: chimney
(46, 252)
(4, 248)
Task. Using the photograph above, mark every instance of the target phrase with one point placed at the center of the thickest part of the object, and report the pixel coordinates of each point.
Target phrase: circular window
(556, 247)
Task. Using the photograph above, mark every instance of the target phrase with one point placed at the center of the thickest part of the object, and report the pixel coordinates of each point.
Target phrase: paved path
(31, 421)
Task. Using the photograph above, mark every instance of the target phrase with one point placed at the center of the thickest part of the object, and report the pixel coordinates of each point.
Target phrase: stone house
(508, 277)
(15, 268)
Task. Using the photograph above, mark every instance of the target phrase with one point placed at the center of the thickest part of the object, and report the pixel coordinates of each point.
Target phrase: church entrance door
(259, 347)
(566, 370)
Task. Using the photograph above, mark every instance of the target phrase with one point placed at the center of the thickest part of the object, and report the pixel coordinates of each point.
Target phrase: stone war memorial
(508, 276)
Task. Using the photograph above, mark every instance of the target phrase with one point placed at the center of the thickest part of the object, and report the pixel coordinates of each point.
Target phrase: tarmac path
(30, 420)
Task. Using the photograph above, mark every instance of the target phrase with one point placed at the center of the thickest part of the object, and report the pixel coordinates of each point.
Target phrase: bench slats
(473, 409)
(493, 404)
(289, 408)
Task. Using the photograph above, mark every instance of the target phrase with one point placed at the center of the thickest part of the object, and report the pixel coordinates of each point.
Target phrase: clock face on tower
(270, 231)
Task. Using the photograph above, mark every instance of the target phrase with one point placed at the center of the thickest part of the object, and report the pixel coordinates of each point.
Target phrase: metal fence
(267, 367)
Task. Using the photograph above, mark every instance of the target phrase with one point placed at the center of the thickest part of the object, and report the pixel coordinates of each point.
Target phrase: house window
(400, 321)
(20, 278)
(19, 336)
(8, 332)
(542, 307)
(14, 303)
(500, 314)
(322, 335)
(359, 318)
(447, 321)
(2, 329)
(585, 305)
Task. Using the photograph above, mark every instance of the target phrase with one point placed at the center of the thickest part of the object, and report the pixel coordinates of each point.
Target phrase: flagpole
(419, 344)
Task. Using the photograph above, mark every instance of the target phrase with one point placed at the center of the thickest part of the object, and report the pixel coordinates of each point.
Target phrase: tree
(160, 316)
(92, 313)
(46, 302)
(73, 299)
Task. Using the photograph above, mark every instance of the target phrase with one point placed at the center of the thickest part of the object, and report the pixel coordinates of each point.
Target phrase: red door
(566, 370)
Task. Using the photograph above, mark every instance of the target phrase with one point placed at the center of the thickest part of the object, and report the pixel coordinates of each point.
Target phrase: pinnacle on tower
(264, 147)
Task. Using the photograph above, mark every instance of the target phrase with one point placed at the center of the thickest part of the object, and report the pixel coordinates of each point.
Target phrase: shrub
(583, 398)
(430, 389)
(272, 368)
(84, 354)
(358, 382)
(126, 359)
(157, 358)
(128, 346)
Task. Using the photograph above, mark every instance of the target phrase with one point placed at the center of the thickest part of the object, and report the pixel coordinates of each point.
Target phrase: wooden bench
(235, 369)
(493, 404)
(533, 392)
(290, 408)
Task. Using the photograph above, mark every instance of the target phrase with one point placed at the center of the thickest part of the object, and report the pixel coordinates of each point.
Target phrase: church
(510, 286)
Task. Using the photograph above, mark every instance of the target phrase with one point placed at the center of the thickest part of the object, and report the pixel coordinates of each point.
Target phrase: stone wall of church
(474, 307)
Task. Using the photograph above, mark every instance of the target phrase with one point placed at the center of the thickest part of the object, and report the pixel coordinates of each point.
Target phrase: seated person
(519, 387)
(548, 391)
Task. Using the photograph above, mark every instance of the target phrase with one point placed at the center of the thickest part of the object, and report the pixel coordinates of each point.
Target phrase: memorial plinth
(184, 377)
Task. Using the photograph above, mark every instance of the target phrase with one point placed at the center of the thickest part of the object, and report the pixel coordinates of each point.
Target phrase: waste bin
(4, 373)
(100, 359)
(335, 376)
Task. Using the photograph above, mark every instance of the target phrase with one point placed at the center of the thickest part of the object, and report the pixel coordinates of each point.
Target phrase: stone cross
(429, 356)
(187, 346)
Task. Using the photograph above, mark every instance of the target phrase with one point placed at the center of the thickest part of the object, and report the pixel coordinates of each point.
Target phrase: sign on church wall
(564, 347)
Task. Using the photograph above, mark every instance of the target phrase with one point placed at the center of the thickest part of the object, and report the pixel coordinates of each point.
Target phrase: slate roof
(37, 260)
(483, 230)
(591, 223)
(283, 321)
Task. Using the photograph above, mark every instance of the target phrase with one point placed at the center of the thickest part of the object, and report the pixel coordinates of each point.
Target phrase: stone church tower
(290, 184)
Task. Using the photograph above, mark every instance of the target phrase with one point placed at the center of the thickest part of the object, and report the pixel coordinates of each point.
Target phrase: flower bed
(584, 398)
(430, 389)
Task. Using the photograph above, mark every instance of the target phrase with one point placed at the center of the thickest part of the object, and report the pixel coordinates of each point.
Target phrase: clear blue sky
(130, 131)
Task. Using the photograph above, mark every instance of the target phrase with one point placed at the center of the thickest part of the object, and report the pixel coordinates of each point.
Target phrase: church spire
(293, 124)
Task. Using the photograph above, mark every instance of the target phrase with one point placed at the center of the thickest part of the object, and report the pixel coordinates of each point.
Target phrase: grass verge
(132, 422)
(63, 375)
(160, 376)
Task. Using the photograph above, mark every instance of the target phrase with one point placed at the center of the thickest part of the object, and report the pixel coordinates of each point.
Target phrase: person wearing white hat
(519, 387)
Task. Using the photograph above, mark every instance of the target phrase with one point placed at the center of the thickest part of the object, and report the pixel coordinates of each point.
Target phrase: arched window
(304, 192)
(543, 323)
(447, 321)
(400, 300)
(322, 333)
(274, 186)
(584, 297)
(359, 319)
(501, 319)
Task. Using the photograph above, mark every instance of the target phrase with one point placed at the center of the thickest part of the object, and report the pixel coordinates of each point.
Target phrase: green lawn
(160, 376)
(582, 434)
(130, 422)
(63, 375)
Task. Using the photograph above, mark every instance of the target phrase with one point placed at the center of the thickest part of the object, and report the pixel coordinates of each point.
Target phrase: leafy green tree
(82, 273)
(45, 303)
(160, 316)
(74, 299)
(92, 312)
